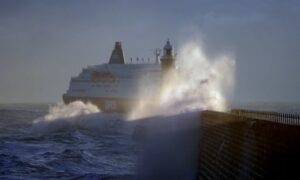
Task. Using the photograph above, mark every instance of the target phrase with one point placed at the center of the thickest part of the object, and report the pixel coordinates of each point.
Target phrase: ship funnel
(117, 54)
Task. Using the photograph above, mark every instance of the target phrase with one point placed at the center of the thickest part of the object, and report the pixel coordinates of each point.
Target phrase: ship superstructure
(115, 86)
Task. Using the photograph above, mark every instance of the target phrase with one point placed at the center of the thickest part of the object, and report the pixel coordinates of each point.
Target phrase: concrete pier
(244, 144)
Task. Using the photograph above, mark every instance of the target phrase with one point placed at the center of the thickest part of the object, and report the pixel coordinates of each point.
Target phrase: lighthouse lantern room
(167, 60)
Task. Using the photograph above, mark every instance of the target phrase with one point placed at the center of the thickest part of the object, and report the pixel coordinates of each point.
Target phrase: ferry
(116, 86)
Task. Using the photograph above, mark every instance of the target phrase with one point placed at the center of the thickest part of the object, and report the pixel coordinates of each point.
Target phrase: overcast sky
(45, 42)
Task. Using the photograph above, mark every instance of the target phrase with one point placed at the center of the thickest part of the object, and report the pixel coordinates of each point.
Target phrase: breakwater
(244, 144)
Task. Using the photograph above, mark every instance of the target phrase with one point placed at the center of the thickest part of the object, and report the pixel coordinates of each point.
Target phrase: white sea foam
(73, 109)
(76, 115)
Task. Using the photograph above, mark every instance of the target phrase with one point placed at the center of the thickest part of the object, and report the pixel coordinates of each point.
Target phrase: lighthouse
(168, 59)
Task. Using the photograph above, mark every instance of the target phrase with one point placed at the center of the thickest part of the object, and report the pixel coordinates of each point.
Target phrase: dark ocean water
(98, 145)
(103, 150)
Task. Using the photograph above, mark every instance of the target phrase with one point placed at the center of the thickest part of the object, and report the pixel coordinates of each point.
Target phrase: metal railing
(284, 118)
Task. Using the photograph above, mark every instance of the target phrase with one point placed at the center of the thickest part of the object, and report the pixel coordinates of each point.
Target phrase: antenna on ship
(157, 54)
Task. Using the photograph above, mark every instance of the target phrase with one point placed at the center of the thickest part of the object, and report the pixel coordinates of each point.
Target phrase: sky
(45, 42)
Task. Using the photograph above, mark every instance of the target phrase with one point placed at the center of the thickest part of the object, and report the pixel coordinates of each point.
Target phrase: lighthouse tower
(167, 60)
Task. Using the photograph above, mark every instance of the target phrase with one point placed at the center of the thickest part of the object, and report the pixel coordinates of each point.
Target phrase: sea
(64, 148)
(55, 141)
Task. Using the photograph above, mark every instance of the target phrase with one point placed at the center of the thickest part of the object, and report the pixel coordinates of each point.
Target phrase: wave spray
(198, 83)
(76, 115)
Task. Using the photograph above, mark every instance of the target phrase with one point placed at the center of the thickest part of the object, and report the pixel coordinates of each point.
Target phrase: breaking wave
(76, 115)
(198, 83)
